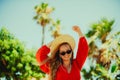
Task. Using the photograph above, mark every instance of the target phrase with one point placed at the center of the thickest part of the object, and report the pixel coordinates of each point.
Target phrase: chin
(66, 59)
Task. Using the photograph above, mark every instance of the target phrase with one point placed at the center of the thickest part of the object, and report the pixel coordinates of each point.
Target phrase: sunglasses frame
(66, 52)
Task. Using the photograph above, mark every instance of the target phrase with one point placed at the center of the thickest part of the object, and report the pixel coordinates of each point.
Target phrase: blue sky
(17, 17)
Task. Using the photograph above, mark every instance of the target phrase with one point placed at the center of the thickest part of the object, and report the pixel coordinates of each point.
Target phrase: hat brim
(59, 40)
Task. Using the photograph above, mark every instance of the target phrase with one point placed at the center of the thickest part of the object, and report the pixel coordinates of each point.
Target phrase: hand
(77, 29)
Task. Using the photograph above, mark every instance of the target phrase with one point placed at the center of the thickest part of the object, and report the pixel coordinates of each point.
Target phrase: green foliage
(43, 18)
(43, 14)
(113, 68)
(104, 52)
(16, 62)
(101, 29)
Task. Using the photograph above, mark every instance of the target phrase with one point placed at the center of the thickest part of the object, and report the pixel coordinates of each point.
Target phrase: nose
(66, 55)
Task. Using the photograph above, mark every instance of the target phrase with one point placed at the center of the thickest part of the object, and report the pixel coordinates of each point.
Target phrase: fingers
(76, 28)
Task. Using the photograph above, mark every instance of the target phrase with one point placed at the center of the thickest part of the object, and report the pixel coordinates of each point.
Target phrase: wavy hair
(56, 62)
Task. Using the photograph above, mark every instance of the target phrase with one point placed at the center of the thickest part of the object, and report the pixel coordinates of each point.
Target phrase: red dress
(77, 63)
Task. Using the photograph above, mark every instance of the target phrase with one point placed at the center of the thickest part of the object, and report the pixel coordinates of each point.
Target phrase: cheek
(60, 56)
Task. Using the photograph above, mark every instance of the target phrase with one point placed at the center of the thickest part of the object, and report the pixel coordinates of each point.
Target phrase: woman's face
(65, 52)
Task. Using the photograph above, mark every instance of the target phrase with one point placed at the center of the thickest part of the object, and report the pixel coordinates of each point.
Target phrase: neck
(66, 64)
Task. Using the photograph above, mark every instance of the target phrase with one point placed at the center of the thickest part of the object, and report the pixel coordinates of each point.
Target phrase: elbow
(87, 49)
(39, 57)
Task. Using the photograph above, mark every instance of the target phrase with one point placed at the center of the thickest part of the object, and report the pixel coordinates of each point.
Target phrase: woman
(60, 65)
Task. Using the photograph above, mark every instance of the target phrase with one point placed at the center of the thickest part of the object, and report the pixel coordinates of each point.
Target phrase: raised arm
(82, 51)
(77, 30)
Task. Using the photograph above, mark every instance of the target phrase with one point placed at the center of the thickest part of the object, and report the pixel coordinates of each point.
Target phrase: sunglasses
(68, 52)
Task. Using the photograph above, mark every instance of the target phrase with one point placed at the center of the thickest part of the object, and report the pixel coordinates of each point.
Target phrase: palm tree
(43, 18)
(100, 30)
(104, 51)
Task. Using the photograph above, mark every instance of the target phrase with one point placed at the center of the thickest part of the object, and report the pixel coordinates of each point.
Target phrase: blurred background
(27, 25)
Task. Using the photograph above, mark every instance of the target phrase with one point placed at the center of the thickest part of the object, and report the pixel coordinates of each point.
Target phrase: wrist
(80, 34)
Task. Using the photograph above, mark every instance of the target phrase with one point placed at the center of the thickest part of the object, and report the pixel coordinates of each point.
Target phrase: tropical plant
(104, 52)
(43, 18)
(16, 62)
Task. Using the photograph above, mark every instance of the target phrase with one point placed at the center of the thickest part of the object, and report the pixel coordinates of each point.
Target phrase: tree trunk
(43, 35)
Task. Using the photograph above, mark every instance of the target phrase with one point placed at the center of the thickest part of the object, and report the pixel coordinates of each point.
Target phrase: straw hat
(59, 40)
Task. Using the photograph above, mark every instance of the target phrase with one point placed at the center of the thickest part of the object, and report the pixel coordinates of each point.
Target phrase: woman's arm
(77, 30)
(82, 51)
(42, 57)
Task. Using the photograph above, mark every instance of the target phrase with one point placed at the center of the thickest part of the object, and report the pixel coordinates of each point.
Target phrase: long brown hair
(56, 62)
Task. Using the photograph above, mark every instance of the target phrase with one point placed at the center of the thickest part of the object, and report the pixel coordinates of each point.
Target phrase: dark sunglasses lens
(63, 53)
(68, 51)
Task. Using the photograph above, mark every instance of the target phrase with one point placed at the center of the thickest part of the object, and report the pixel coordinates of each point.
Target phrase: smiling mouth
(66, 56)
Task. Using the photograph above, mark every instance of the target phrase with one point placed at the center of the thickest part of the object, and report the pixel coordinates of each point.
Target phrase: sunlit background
(17, 17)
